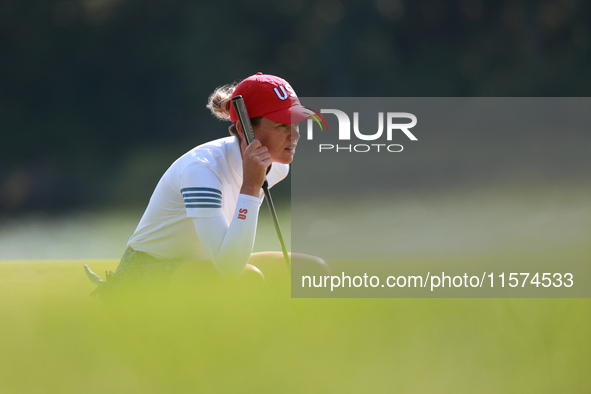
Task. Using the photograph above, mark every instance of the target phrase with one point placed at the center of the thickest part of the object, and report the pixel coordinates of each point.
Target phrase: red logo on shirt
(242, 213)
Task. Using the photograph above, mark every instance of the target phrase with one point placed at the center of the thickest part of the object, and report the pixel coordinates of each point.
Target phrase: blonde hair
(219, 103)
(220, 100)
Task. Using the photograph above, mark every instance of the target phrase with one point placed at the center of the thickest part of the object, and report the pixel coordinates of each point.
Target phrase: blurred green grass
(56, 339)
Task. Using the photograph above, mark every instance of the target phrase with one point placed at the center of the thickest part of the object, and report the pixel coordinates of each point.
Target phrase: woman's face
(279, 138)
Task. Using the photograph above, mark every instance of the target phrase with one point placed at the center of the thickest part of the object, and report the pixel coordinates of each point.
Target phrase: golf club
(240, 108)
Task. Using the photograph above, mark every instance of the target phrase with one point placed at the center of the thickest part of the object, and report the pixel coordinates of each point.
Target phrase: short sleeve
(202, 192)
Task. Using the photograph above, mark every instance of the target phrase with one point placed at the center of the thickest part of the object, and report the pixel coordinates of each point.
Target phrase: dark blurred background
(98, 97)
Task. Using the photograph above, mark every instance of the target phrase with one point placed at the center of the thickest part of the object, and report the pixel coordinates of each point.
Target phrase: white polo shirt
(203, 183)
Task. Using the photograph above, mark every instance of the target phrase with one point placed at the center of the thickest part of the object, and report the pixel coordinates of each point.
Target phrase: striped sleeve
(202, 197)
(201, 190)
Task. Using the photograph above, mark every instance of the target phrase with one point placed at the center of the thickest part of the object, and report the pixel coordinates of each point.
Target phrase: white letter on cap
(283, 96)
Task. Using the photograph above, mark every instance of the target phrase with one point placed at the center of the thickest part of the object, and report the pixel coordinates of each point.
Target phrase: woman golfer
(205, 206)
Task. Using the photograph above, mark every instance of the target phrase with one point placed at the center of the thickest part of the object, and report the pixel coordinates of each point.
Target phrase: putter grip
(242, 113)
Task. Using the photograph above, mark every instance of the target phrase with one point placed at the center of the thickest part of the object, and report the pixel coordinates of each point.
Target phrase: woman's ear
(239, 129)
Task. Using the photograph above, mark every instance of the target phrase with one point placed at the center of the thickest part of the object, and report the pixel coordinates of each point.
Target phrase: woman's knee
(274, 262)
(252, 274)
(305, 264)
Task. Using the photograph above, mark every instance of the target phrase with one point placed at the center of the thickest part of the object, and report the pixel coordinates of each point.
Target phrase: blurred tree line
(98, 97)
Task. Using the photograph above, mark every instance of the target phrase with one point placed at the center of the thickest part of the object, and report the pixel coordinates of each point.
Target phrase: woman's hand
(255, 161)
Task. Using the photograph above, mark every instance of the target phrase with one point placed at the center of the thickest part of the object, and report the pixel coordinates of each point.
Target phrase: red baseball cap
(271, 97)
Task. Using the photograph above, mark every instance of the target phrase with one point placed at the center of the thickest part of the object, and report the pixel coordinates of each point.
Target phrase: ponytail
(219, 103)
